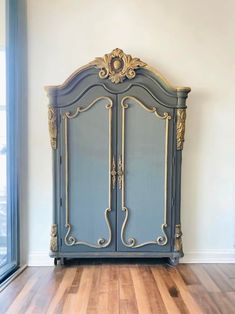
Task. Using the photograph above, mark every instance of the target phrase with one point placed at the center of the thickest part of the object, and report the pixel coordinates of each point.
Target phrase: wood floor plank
(228, 270)
(187, 274)
(11, 291)
(224, 304)
(127, 296)
(140, 291)
(204, 278)
(65, 284)
(218, 277)
(168, 300)
(186, 296)
(156, 303)
(118, 288)
(18, 305)
(204, 299)
(173, 290)
(103, 302)
(78, 302)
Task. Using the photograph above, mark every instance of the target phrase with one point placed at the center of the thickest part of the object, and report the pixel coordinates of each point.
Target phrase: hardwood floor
(122, 288)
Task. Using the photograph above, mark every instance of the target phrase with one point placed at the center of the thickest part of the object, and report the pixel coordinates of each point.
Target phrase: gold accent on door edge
(69, 239)
(180, 128)
(120, 173)
(52, 124)
(178, 247)
(162, 239)
(53, 242)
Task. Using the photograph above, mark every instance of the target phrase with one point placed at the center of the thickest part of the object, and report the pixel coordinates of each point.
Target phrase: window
(9, 248)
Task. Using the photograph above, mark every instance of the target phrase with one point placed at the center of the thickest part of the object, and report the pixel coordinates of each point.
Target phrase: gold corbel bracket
(178, 247)
(180, 128)
(52, 124)
(53, 243)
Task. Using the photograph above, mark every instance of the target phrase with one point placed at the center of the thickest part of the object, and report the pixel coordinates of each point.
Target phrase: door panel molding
(162, 239)
(69, 239)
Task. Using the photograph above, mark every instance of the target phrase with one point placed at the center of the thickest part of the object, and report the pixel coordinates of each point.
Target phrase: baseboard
(41, 258)
(209, 256)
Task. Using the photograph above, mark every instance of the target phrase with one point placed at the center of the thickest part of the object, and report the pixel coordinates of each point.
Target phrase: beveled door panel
(144, 151)
(89, 146)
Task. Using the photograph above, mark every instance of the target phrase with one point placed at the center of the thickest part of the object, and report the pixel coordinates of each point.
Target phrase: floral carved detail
(117, 66)
(52, 126)
(178, 239)
(180, 128)
(53, 244)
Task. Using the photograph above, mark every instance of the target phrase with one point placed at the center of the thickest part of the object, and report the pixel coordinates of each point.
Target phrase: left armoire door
(88, 189)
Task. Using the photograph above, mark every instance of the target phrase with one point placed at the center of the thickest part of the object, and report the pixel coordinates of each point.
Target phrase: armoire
(116, 130)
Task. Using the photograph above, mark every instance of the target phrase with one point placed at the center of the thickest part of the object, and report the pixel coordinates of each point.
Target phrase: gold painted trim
(178, 247)
(128, 71)
(52, 124)
(69, 239)
(161, 240)
(53, 242)
(120, 173)
(180, 128)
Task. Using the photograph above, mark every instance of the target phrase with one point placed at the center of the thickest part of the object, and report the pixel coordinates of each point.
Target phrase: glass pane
(3, 136)
(7, 202)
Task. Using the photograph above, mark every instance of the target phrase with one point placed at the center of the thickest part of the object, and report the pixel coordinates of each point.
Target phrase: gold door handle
(113, 173)
(120, 173)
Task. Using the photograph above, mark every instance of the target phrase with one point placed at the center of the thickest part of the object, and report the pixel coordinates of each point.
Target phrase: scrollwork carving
(117, 66)
(52, 124)
(180, 128)
(53, 243)
(178, 239)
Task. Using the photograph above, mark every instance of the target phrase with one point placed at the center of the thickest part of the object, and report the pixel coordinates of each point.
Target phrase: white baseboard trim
(41, 258)
(209, 256)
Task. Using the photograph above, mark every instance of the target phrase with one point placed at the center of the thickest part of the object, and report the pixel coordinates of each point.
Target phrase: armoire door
(88, 144)
(145, 151)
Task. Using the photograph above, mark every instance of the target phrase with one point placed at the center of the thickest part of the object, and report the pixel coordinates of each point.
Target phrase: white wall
(191, 43)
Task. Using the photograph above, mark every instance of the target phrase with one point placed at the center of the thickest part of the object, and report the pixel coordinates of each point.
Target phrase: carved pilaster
(180, 128)
(53, 244)
(52, 123)
(178, 247)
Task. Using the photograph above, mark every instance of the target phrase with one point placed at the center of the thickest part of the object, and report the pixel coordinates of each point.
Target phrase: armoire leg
(173, 261)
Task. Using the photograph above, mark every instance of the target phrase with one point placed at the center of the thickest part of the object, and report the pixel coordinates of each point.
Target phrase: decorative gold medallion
(178, 239)
(180, 128)
(52, 126)
(53, 244)
(117, 66)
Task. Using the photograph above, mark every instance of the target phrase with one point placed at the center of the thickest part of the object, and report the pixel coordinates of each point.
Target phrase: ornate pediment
(117, 66)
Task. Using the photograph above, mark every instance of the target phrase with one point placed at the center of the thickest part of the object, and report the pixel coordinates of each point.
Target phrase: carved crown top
(117, 66)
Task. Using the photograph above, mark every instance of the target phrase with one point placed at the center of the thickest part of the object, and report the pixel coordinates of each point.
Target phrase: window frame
(15, 96)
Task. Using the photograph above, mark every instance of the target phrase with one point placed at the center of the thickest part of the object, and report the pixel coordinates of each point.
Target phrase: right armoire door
(144, 159)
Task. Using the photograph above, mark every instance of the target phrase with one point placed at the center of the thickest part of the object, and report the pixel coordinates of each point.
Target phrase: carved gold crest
(117, 66)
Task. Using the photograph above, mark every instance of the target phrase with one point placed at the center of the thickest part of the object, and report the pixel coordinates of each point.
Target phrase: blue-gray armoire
(117, 131)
